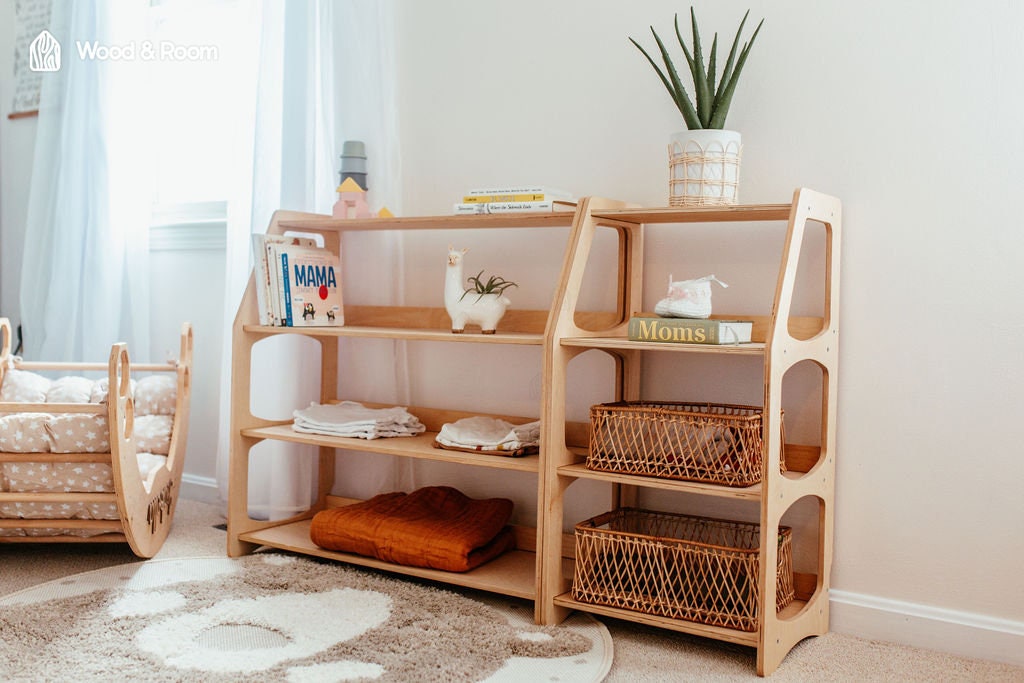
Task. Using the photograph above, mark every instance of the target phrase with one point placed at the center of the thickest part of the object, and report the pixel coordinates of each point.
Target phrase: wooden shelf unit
(514, 574)
(541, 569)
(780, 340)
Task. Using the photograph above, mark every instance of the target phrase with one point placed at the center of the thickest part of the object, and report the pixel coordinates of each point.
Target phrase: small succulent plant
(712, 95)
(494, 285)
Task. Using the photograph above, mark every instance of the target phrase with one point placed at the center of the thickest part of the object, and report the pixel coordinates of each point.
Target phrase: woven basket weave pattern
(679, 566)
(699, 177)
(707, 442)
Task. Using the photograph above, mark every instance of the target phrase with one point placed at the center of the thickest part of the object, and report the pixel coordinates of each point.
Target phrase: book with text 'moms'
(689, 330)
(311, 282)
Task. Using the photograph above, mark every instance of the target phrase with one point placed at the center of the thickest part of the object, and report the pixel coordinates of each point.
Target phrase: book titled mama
(311, 288)
(689, 330)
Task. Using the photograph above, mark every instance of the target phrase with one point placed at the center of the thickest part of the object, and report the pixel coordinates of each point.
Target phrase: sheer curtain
(84, 282)
(290, 158)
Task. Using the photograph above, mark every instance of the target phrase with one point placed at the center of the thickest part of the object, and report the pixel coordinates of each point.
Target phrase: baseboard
(967, 634)
(202, 489)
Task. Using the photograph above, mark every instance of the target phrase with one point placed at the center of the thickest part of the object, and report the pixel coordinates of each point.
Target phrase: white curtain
(84, 282)
(287, 161)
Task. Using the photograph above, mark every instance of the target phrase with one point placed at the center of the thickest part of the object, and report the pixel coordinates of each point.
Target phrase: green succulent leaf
(700, 77)
(712, 64)
(723, 103)
(731, 59)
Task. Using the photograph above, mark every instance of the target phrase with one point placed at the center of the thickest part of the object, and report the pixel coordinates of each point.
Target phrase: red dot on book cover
(323, 292)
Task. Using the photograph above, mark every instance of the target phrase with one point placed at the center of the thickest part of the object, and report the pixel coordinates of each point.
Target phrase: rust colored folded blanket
(436, 527)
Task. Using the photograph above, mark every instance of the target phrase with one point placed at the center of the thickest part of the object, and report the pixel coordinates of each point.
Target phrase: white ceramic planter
(704, 167)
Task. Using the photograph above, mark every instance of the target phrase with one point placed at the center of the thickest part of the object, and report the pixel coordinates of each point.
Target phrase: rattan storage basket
(679, 566)
(708, 442)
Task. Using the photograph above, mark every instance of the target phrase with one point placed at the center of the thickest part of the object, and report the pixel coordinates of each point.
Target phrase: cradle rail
(145, 507)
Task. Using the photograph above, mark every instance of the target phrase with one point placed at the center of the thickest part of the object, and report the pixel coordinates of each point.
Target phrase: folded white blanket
(352, 419)
(489, 433)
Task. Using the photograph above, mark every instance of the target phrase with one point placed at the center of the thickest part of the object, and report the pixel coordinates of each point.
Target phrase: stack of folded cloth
(490, 435)
(435, 526)
(352, 419)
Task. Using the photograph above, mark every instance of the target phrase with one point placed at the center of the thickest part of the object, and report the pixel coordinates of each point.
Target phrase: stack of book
(515, 200)
(298, 284)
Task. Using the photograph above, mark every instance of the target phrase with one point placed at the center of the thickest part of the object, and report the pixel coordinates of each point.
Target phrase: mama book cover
(311, 283)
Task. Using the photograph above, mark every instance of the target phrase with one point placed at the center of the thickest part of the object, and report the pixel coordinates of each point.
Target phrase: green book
(689, 330)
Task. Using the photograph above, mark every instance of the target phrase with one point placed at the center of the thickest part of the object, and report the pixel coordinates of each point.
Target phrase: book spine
(512, 197)
(261, 278)
(509, 207)
(536, 189)
(286, 291)
(674, 330)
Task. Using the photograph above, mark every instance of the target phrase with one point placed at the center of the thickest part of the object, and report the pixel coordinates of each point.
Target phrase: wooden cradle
(145, 505)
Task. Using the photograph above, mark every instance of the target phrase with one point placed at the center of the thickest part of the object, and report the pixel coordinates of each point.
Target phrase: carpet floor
(641, 654)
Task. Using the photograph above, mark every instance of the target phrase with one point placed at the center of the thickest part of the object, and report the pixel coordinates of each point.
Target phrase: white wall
(909, 112)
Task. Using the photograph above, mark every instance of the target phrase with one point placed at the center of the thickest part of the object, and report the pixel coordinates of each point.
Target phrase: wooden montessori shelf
(619, 343)
(419, 446)
(699, 214)
(553, 219)
(513, 573)
(415, 334)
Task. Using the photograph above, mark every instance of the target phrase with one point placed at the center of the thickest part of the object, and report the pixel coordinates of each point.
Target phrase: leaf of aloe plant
(722, 106)
(687, 104)
(727, 71)
(712, 64)
(700, 77)
(680, 97)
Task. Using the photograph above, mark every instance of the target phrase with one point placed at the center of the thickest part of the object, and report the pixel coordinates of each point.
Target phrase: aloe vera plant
(712, 93)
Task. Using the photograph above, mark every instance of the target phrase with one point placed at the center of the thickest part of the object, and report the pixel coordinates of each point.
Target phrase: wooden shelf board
(580, 471)
(420, 334)
(513, 573)
(419, 446)
(717, 632)
(751, 349)
(552, 219)
(700, 214)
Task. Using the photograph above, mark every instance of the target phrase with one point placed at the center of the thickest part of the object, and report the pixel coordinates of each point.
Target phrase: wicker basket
(707, 442)
(679, 566)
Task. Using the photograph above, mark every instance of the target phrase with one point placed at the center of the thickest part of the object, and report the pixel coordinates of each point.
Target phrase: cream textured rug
(277, 617)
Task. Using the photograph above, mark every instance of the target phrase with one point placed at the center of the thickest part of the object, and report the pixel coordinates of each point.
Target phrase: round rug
(279, 617)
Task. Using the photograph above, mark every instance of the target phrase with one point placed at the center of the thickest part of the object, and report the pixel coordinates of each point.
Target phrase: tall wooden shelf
(781, 341)
(541, 569)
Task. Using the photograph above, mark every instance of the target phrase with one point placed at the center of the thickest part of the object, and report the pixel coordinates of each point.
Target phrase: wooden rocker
(91, 496)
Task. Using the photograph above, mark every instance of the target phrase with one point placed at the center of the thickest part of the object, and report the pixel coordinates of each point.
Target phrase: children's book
(310, 287)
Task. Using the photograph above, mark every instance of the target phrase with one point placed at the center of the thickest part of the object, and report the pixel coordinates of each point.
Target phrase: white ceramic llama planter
(465, 308)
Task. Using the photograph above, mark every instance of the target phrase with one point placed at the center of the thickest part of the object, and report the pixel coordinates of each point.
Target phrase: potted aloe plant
(704, 160)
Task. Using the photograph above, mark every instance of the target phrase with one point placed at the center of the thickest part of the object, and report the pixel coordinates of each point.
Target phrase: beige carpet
(641, 654)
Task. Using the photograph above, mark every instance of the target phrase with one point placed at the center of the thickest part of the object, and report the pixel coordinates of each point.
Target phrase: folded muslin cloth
(489, 434)
(352, 419)
(435, 526)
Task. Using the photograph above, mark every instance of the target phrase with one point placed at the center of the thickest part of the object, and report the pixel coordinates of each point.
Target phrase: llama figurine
(483, 307)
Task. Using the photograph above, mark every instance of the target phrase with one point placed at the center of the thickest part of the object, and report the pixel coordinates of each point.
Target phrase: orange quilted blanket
(436, 527)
